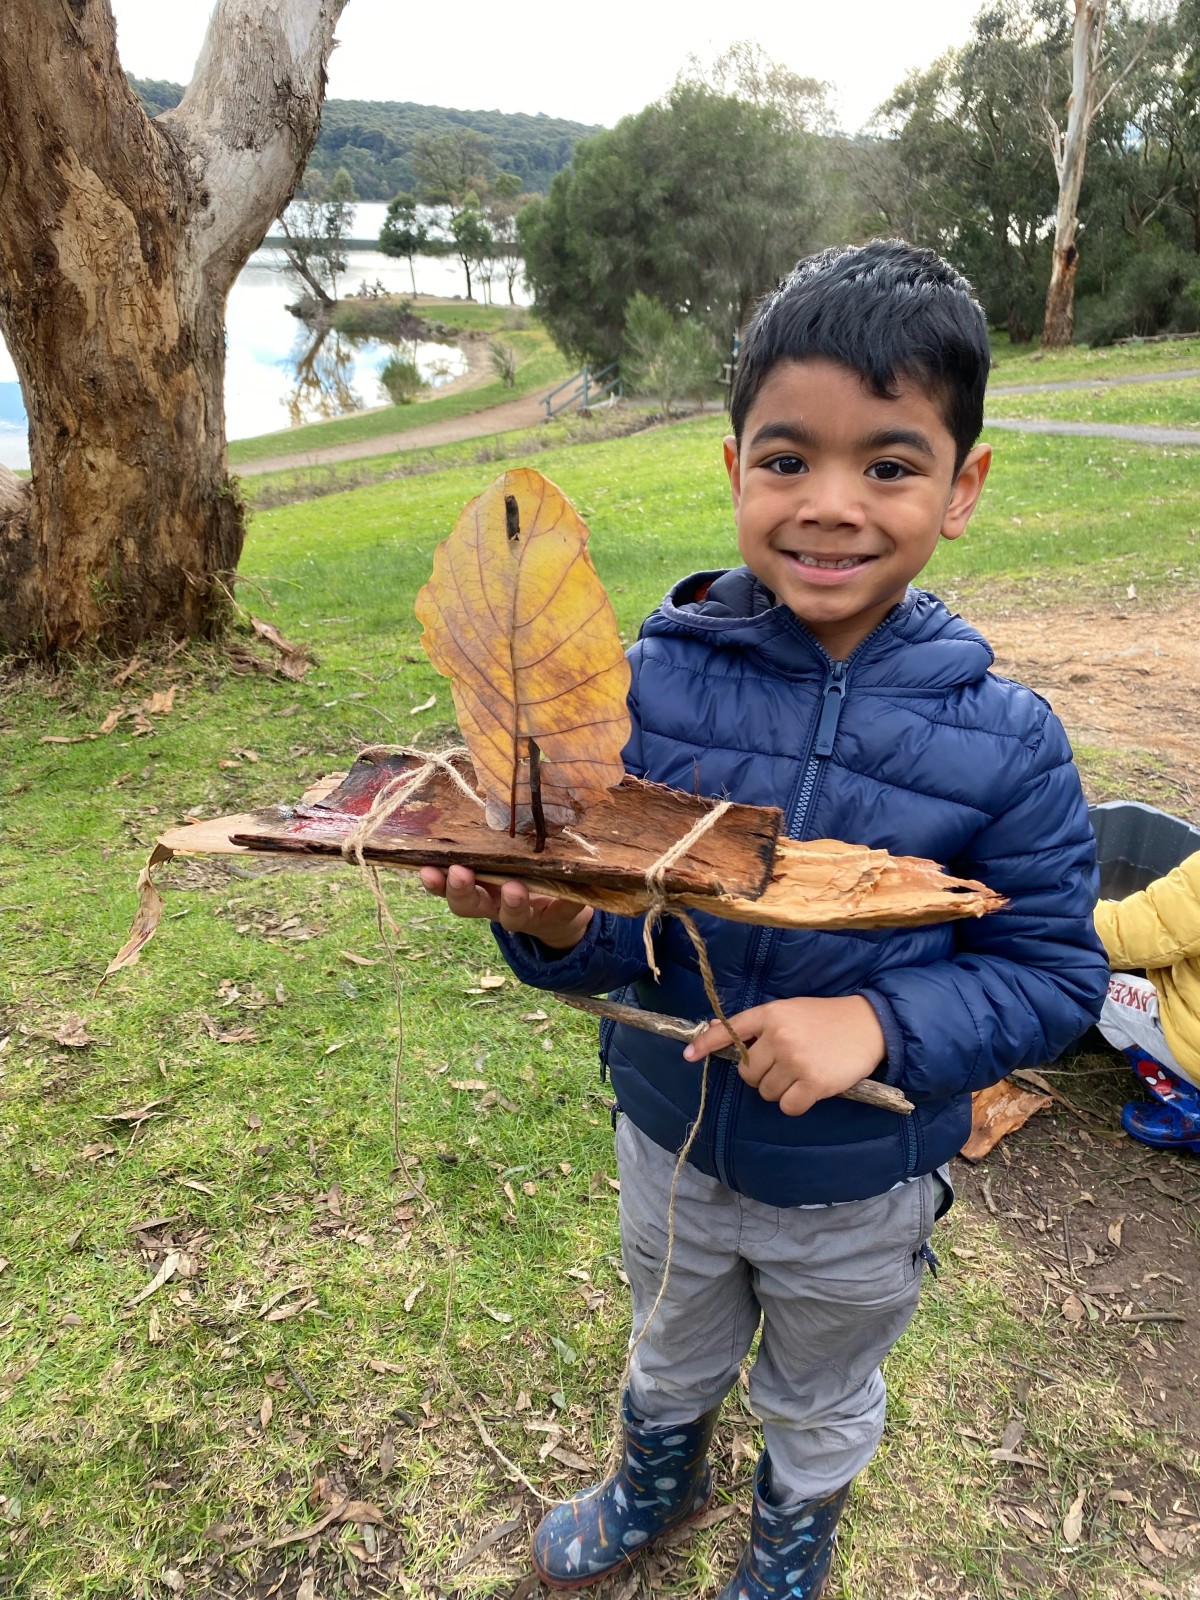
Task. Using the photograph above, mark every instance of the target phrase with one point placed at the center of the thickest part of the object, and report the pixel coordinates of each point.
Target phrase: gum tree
(120, 237)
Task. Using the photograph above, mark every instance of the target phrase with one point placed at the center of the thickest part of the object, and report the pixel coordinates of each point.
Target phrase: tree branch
(249, 119)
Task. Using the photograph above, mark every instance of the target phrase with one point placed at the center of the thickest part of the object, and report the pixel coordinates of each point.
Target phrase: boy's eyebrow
(882, 439)
(789, 432)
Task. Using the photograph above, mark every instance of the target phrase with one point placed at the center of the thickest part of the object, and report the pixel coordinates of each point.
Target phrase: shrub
(666, 358)
(1156, 291)
(375, 317)
(504, 361)
(402, 380)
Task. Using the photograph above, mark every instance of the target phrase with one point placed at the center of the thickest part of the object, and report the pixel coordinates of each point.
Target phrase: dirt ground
(1122, 679)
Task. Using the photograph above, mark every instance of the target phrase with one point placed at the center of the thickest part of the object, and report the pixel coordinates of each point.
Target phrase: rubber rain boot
(1168, 1088)
(663, 1481)
(1167, 1127)
(790, 1547)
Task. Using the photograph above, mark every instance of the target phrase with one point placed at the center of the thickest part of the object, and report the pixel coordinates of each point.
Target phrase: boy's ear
(964, 496)
(733, 468)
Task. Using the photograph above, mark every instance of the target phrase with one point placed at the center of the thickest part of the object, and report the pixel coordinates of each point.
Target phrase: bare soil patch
(1124, 681)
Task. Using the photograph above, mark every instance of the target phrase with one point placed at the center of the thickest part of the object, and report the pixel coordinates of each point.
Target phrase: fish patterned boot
(790, 1547)
(663, 1481)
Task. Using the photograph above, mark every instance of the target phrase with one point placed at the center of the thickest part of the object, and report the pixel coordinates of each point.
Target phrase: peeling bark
(119, 240)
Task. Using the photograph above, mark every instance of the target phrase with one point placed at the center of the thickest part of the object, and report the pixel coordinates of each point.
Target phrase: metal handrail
(592, 386)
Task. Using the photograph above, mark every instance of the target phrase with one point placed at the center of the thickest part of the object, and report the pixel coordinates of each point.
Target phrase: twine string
(656, 878)
(390, 799)
(399, 790)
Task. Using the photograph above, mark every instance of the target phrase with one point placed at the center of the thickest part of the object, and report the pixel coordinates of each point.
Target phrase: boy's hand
(803, 1050)
(560, 924)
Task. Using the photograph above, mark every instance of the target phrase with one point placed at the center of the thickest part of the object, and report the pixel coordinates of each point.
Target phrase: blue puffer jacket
(911, 745)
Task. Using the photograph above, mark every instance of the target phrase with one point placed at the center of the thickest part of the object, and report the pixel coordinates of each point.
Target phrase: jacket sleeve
(1025, 981)
(611, 952)
(1158, 927)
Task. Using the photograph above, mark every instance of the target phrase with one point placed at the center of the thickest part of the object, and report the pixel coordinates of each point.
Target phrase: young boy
(816, 679)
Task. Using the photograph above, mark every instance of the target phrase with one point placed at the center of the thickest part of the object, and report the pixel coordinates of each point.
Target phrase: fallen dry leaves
(146, 918)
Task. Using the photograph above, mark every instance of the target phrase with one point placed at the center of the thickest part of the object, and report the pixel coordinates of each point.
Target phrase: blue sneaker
(663, 1482)
(790, 1548)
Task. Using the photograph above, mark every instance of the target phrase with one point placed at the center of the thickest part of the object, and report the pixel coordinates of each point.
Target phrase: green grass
(270, 489)
(1026, 364)
(1168, 405)
(541, 367)
(130, 1431)
(467, 314)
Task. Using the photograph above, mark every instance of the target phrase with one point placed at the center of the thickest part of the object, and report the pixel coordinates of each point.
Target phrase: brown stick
(535, 797)
(868, 1093)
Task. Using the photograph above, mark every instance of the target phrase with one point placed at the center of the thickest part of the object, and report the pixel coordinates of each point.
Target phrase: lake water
(274, 378)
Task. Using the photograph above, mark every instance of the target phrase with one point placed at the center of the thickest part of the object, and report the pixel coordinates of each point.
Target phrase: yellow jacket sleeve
(1158, 927)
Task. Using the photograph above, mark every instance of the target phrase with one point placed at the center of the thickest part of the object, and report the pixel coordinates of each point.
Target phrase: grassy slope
(136, 1428)
(1169, 405)
(1027, 364)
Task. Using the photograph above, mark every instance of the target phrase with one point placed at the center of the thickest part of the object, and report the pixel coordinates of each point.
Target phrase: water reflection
(266, 348)
(328, 372)
(324, 379)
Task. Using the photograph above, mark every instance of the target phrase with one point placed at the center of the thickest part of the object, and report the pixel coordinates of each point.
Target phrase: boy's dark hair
(885, 309)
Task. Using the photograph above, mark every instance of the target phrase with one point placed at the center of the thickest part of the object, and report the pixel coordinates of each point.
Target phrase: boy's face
(840, 496)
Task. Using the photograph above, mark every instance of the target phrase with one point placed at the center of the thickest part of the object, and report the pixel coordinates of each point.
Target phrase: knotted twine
(391, 797)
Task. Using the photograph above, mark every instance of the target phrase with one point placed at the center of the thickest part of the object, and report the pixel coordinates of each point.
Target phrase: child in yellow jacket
(1155, 1019)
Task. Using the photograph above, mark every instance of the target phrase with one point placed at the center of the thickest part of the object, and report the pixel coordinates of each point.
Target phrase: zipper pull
(831, 710)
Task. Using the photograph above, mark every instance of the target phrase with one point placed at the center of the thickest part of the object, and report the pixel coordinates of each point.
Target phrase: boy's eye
(788, 465)
(889, 471)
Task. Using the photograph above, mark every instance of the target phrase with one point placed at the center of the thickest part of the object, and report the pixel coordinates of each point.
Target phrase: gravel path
(1094, 383)
(475, 425)
(1131, 432)
(525, 413)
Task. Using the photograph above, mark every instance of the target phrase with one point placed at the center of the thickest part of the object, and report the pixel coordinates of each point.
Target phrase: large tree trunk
(119, 240)
(1069, 151)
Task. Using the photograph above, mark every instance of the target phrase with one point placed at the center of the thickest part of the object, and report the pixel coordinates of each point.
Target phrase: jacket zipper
(833, 697)
(910, 1148)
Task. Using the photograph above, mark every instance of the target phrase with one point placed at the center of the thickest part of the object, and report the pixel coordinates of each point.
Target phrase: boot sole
(624, 1561)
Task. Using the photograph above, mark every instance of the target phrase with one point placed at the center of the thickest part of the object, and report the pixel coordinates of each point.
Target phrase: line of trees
(374, 141)
(1055, 158)
(477, 203)
(981, 156)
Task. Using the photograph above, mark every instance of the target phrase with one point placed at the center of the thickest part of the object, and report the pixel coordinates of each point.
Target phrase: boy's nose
(831, 500)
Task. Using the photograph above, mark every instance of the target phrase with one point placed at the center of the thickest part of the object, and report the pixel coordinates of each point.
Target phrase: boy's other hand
(560, 924)
(802, 1050)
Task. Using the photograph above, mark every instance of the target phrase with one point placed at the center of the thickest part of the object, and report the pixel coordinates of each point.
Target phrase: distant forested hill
(373, 139)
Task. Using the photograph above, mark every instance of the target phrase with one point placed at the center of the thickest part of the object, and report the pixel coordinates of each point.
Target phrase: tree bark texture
(120, 238)
(1069, 151)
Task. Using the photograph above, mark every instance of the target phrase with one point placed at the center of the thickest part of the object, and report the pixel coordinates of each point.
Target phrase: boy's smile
(841, 495)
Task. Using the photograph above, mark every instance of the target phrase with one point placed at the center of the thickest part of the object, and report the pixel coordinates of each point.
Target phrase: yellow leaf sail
(516, 617)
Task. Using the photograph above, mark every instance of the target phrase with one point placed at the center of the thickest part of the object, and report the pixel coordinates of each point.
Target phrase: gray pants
(834, 1287)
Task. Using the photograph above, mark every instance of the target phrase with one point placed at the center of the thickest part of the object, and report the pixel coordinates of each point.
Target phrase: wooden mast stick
(869, 1093)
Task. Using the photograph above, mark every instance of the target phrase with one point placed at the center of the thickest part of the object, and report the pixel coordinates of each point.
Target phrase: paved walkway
(1132, 433)
(1094, 383)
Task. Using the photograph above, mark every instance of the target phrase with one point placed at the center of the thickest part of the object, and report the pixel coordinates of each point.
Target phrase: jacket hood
(922, 642)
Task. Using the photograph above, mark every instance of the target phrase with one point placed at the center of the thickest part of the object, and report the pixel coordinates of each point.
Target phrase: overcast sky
(594, 63)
